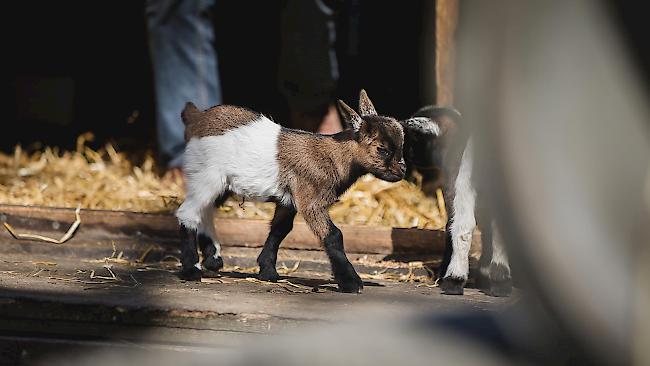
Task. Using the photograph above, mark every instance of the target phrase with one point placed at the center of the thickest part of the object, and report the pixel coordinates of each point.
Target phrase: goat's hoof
(500, 281)
(213, 264)
(268, 274)
(190, 274)
(351, 284)
(452, 285)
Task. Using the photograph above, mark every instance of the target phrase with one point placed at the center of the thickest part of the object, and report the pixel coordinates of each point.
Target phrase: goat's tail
(189, 113)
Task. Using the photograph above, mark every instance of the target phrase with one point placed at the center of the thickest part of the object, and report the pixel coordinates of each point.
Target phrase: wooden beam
(98, 224)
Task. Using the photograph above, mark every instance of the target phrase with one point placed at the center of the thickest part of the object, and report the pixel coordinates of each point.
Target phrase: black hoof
(452, 285)
(500, 281)
(350, 283)
(351, 287)
(268, 274)
(190, 274)
(213, 264)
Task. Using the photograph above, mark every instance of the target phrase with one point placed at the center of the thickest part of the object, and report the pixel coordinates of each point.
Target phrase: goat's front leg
(462, 222)
(321, 224)
(281, 225)
(460, 231)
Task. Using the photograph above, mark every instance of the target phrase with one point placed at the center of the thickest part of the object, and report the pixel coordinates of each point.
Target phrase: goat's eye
(384, 152)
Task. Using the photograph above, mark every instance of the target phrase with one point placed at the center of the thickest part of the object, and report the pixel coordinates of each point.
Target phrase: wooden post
(440, 18)
(445, 28)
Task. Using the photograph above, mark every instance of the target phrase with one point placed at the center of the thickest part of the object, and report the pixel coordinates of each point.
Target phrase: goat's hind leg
(207, 238)
(201, 192)
(190, 270)
(281, 225)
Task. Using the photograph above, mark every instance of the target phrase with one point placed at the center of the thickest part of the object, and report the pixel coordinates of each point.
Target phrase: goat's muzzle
(395, 175)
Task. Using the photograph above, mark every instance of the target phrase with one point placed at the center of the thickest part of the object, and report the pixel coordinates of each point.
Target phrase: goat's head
(380, 139)
(427, 135)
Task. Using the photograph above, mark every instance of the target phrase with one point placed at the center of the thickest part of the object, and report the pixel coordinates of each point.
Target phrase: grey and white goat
(453, 156)
(232, 150)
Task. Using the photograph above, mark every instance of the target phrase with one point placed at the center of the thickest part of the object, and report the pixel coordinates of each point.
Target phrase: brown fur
(215, 121)
(316, 169)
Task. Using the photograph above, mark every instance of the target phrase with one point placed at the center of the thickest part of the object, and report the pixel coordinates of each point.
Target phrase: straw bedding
(108, 179)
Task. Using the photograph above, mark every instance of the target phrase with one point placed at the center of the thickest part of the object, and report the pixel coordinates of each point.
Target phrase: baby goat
(235, 150)
(453, 155)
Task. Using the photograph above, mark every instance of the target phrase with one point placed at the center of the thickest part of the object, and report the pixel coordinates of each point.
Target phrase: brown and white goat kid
(465, 200)
(235, 150)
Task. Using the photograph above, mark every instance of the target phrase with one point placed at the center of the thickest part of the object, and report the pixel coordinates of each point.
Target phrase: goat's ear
(350, 116)
(366, 108)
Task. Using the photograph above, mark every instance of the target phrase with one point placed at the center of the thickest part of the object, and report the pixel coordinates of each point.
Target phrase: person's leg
(184, 60)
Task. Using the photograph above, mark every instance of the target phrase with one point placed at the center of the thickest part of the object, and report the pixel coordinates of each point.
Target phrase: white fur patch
(243, 161)
(464, 221)
(286, 199)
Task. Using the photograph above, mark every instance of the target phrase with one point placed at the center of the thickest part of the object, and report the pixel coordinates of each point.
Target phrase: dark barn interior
(80, 67)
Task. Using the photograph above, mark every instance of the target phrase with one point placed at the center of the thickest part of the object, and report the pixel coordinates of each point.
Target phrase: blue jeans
(181, 42)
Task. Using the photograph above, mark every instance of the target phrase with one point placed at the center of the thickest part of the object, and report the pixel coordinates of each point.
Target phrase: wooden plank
(231, 232)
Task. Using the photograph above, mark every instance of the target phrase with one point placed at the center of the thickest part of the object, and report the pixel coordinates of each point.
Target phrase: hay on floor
(108, 179)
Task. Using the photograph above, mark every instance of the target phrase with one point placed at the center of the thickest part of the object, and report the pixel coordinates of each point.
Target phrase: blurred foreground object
(562, 136)
(562, 120)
